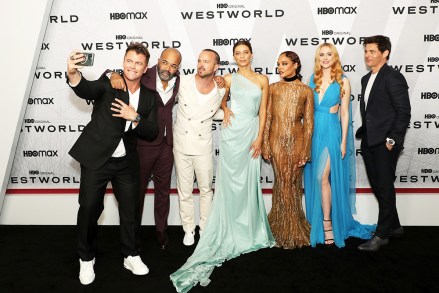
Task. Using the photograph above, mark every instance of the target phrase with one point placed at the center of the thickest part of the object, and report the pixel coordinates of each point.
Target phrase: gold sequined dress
(287, 138)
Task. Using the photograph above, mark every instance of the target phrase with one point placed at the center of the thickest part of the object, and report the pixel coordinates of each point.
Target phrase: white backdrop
(55, 116)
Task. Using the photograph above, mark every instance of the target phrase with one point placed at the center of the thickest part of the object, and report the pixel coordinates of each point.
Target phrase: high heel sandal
(328, 241)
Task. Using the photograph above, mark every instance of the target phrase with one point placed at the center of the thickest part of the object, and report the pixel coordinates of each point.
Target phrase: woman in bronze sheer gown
(287, 143)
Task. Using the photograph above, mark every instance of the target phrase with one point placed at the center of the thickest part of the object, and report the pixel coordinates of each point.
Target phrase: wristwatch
(137, 118)
(390, 141)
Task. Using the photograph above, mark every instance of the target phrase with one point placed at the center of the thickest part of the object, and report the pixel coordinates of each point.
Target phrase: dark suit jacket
(388, 108)
(102, 134)
(164, 112)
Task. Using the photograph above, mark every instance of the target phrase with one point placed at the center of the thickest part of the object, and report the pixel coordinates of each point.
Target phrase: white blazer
(193, 124)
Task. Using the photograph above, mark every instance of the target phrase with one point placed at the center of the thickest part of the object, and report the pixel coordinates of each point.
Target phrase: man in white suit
(199, 99)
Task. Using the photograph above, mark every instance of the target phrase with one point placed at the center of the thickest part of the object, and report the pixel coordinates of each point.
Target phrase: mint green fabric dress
(238, 221)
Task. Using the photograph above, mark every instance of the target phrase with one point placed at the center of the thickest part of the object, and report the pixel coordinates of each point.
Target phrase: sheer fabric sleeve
(308, 123)
(266, 142)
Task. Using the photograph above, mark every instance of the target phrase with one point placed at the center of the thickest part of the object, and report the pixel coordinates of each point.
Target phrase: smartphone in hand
(88, 59)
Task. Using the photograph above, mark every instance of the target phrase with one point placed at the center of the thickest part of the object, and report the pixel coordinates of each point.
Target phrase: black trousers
(380, 166)
(93, 184)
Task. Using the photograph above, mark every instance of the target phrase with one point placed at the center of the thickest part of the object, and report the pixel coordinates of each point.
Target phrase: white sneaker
(86, 271)
(136, 265)
(189, 238)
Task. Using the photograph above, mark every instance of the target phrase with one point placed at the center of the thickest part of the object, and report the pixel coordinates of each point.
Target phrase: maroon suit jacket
(164, 112)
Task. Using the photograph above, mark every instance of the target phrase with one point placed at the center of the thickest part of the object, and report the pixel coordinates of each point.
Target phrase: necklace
(289, 79)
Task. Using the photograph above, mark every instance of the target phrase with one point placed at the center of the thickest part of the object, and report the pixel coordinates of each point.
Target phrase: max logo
(348, 68)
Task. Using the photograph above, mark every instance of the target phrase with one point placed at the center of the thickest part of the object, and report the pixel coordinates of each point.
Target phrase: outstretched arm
(73, 74)
(84, 89)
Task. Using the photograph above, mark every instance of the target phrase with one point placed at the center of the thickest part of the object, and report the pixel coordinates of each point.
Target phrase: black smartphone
(88, 59)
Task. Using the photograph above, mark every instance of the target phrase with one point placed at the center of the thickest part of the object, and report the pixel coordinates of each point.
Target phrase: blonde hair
(336, 70)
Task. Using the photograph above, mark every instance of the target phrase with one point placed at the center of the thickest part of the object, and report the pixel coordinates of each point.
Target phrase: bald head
(171, 53)
(168, 64)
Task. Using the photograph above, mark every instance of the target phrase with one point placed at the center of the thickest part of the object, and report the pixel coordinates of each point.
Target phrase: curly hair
(295, 59)
(336, 70)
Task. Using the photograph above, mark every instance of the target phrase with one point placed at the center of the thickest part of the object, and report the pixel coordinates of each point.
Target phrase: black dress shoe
(373, 244)
(162, 239)
(397, 233)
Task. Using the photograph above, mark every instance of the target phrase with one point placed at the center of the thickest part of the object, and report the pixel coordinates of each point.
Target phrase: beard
(204, 73)
(165, 75)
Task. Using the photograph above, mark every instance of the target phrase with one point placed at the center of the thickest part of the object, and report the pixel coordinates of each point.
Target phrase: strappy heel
(328, 241)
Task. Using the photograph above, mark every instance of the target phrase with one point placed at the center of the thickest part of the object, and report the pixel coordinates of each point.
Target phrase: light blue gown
(326, 142)
(237, 222)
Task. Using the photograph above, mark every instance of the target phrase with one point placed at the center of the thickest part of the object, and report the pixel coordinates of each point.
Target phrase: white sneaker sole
(136, 272)
(88, 282)
(189, 243)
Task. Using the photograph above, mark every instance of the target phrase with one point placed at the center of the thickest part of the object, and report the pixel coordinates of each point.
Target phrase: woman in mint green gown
(330, 176)
(238, 221)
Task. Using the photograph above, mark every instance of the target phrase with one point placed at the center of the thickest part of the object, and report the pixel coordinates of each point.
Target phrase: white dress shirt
(134, 101)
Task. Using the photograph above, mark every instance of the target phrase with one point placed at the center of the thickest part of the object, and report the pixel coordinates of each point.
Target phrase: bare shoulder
(228, 79)
(262, 80)
(262, 77)
(228, 76)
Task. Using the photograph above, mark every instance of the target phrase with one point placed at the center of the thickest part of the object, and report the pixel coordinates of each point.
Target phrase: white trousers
(186, 168)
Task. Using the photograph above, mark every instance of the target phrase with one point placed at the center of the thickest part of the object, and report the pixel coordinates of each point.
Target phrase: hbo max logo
(337, 10)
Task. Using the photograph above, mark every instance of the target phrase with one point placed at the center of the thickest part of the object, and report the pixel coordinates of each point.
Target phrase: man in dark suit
(106, 150)
(156, 157)
(385, 113)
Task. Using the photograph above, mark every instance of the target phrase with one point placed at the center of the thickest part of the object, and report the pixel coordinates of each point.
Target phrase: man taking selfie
(106, 150)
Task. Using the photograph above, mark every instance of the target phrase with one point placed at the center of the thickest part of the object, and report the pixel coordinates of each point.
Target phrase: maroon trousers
(156, 160)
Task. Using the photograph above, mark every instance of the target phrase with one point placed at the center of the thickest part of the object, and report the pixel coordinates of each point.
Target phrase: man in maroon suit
(156, 157)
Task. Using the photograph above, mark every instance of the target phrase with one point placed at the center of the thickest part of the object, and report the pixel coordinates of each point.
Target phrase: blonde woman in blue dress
(238, 221)
(330, 176)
